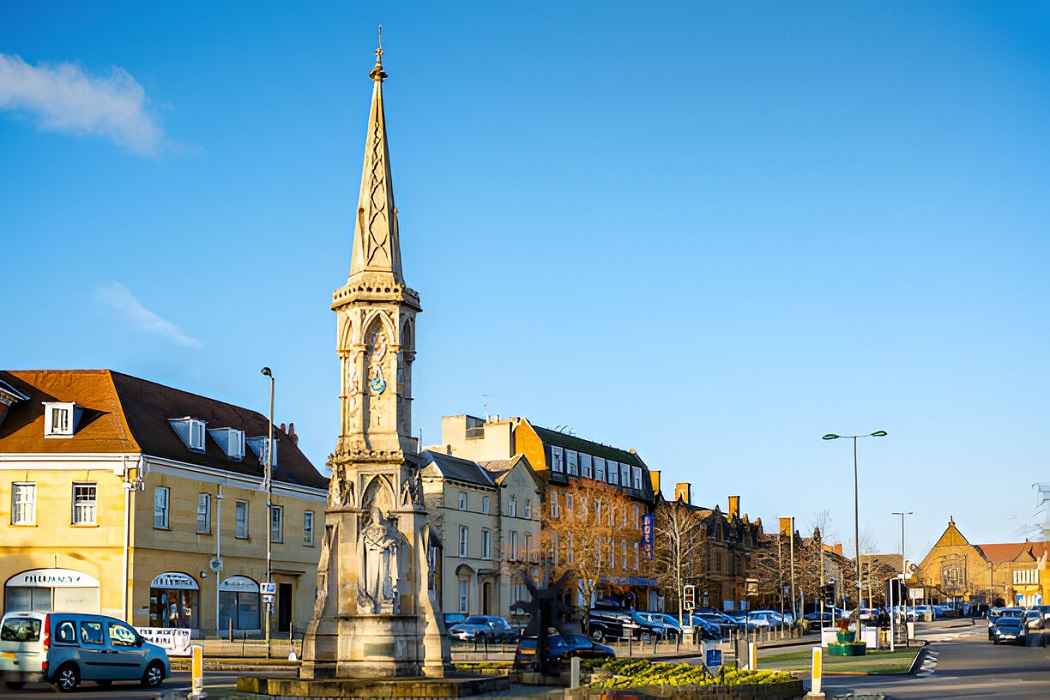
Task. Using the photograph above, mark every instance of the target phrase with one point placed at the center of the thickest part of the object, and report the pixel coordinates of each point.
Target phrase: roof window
(191, 431)
(231, 440)
(61, 418)
(258, 447)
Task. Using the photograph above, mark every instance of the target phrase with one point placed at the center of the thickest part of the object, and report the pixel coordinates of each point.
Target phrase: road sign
(268, 598)
(713, 659)
(269, 588)
(215, 565)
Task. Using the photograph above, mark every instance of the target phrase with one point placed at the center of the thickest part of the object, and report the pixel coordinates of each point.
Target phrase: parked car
(1009, 629)
(560, 648)
(481, 628)
(762, 620)
(814, 621)
(672, 630)
(619, 624)
(66, 648)
(1033, 619)
(723, 622)
(705, 629)
(453, 619)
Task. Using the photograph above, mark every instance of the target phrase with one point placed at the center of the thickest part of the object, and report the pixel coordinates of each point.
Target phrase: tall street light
(903, 557)
(268, 484)
(856, 508)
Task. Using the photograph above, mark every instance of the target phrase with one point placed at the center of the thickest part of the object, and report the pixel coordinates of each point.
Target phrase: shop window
(239, 603)
(174, 601)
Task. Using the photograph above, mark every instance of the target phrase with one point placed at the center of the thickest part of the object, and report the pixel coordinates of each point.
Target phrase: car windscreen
(20, 629)
(1009, 622)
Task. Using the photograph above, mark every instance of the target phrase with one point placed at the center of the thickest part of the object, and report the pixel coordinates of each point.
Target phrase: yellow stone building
(144, 502)
(1010, 573)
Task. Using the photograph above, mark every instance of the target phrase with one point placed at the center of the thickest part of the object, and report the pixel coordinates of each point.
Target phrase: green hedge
(638, 673)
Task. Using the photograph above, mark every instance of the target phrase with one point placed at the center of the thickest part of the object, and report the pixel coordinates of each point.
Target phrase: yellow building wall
(182, 549)
(527, 442)
(54, 542)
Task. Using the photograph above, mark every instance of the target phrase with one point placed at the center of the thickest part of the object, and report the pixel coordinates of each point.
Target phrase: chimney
(654, 480)
(283, 427)
(785, 525)
(683, 491)
(838, 549)
(734, 506)
(292, 435)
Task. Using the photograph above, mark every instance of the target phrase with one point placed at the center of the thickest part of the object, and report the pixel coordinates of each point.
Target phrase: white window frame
(614, 472)
(462, 500)
(464, 595)
(486, 544)
(63, 413)
(625, 475)
(277, 512)
(485, 504)
(555, 508)
(599, 468)
(636, 558)
(637, 472)
(586, 465)
(557, 459)
(204, 499)
(166, 512)
(464, 541)
(513, 546)
(572, 462)
(512, 506)
(29, 504)
(247, 521)
(528, 507)
(84, 514)
(569, 503)
(528, 547)
(623, 554)
(308, 528)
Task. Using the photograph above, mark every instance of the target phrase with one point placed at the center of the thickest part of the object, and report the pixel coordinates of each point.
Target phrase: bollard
(197, 673)
(816, 674)
(752, 656)
(574, 672)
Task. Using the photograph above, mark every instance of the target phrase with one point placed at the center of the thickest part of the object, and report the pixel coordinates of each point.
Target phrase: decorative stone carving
(380, 545)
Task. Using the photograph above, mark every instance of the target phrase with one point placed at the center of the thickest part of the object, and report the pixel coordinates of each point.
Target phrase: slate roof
(122, 413)
(596, 449)
(458, 468)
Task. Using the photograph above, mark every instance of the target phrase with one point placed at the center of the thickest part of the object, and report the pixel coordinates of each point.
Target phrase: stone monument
(376, 614)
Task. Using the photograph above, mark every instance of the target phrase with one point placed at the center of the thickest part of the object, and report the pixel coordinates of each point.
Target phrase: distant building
(557, 458)
(126, 497)
(1011, 573)
(487, 516)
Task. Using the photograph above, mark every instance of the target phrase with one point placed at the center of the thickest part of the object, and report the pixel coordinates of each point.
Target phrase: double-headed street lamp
(856, 508)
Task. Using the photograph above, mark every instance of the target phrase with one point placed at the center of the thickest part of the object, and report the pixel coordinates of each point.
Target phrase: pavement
(125, 691)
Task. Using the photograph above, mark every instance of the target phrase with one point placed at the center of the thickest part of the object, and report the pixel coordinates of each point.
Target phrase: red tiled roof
(1009, 551)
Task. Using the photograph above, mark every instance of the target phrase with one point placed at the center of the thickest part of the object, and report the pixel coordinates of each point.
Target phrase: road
(960, 662)
(124, 691)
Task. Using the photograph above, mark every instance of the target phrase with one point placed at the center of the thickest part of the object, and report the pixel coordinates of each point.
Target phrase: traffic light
(828, 593)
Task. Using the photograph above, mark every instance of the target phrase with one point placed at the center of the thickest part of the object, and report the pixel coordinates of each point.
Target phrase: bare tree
(678, 548)
(582, 528)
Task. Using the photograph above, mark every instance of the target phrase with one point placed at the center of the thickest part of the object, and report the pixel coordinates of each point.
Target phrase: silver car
(66, 648)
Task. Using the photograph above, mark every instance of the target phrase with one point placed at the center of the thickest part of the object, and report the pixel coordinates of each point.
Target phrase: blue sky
(709, 233)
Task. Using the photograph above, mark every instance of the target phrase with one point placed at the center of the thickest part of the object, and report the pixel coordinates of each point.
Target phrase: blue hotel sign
(647, 533)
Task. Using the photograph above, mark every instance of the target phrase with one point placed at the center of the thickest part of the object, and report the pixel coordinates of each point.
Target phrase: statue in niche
(412, 490)
(379, 546)
(376, 353)
(353, 382)
(321, 595)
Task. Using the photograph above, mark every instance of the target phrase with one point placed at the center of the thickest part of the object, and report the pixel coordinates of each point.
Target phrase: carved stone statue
(380, 544)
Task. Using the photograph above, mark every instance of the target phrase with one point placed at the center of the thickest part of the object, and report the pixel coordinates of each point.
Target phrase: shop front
(174, 600)
(239, 604)
(52, 589)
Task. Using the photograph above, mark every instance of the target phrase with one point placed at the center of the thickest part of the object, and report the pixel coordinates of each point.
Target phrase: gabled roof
(499, 469)
(125, 414)
(457, 468)
(1002, 553)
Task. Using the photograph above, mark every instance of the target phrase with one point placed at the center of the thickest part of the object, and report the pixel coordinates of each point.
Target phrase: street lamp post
(904, 572)
(268, 483)
(856, 509)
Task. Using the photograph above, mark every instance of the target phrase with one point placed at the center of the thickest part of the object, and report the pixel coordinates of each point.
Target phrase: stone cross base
(365, 646)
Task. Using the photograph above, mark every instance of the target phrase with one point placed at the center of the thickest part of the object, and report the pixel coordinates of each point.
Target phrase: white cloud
(120, 298)
(64, 98)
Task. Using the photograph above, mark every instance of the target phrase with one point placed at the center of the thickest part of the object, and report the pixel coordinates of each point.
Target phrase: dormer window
(231, 440)
(60, 418)
(191, 430)
(258, 447)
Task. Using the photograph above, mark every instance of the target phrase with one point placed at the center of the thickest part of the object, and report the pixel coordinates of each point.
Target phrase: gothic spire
(377, 248)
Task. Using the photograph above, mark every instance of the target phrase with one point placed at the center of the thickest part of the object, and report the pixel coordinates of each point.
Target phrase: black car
(813, 621)
(1009, 630)
(620, 624)
(561, 648)
(453, 618)
(709, 629)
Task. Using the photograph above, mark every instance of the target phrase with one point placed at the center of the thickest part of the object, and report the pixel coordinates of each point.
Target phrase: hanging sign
(647, 534)
(239, 584)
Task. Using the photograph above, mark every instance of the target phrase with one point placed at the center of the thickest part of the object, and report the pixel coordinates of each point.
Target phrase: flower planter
(847, 649)
(845, 636)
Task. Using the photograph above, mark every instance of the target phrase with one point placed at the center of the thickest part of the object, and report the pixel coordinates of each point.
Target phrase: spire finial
(377, 72)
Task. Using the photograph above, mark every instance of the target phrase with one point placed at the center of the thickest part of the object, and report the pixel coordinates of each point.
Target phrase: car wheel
(153, 676)
(67, 678)
(598, 636)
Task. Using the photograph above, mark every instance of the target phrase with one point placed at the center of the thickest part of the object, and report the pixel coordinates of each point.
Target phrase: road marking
(929, 664)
